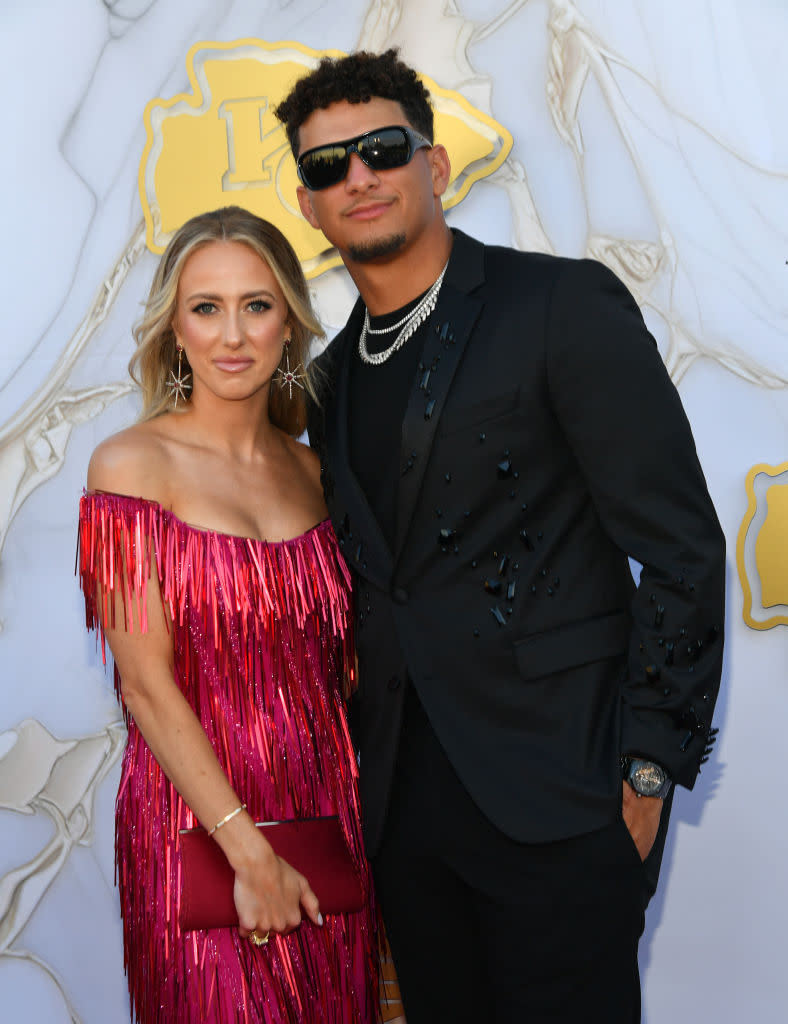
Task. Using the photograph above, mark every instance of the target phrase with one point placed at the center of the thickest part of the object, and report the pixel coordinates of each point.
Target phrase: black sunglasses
(380, 150)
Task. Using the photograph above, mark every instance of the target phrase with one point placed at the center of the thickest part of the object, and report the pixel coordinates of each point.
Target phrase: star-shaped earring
(180, 383)
(288, 377)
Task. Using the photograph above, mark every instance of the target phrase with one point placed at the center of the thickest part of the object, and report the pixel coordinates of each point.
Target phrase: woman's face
(231, 319)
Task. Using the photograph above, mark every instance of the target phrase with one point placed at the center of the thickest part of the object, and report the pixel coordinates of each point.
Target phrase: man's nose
(359, 176)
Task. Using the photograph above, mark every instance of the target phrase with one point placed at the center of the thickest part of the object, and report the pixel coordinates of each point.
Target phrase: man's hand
(641, 816)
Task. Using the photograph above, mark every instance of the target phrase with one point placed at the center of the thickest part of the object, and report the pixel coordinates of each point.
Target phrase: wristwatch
(646, 777)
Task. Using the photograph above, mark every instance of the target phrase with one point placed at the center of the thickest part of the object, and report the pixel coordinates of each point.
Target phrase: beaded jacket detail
(263, 654)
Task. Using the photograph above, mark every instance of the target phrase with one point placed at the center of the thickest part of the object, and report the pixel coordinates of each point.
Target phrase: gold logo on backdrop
(221, 145)
(762, 547)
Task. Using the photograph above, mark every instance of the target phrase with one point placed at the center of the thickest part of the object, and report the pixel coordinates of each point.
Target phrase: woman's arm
(269, 894)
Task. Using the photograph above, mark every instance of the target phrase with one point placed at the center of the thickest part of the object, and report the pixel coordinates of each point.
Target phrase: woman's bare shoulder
(135, 461)
(310, 489)
(308, 460)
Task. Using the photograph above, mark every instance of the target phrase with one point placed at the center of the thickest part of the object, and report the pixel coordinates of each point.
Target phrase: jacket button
(400, 595)
(394, 683)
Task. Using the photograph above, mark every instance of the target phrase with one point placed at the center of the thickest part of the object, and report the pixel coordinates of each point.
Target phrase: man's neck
(390, 284)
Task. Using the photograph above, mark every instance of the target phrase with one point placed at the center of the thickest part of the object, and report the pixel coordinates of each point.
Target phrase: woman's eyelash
(256, 306)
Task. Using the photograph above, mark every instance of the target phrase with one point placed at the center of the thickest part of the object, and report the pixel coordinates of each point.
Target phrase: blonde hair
(156, 354)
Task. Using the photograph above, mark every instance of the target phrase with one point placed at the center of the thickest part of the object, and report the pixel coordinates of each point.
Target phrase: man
(498, 434)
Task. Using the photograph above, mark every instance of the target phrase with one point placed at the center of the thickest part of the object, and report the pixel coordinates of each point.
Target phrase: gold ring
(259, 940)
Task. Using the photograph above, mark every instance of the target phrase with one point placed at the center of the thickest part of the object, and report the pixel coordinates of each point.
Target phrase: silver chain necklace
(409, 324)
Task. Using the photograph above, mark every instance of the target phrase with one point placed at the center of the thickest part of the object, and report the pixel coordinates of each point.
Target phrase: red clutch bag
(315, 847)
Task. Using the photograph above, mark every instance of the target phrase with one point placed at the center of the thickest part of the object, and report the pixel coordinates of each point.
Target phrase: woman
(208, 564)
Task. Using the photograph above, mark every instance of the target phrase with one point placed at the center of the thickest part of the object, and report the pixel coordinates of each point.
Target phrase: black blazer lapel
(448, 330)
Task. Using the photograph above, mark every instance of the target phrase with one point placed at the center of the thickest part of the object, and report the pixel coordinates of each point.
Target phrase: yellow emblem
(221, 145)
(762, 547)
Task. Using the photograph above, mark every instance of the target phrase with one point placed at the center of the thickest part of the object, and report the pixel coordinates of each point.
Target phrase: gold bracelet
(226, 818)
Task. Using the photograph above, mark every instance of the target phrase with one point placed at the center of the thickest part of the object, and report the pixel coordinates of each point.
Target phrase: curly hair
(156, 354)
(357, 78)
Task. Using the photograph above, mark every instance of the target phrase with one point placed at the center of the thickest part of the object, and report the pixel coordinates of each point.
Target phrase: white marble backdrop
(649, 134)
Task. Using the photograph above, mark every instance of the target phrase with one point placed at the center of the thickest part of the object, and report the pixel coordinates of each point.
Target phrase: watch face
(647, 778)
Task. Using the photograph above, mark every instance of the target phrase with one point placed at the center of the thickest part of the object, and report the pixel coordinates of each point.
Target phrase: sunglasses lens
(385, 149)
(324, 166)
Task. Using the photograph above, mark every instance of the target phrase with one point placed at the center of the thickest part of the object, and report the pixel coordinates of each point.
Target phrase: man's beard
(376, 249)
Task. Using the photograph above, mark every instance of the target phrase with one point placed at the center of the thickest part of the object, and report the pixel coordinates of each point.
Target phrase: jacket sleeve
(625, 424)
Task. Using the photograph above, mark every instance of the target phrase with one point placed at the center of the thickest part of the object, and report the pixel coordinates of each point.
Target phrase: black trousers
(487, 930)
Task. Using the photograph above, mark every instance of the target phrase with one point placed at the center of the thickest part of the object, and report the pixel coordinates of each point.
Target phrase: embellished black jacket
(543, 443)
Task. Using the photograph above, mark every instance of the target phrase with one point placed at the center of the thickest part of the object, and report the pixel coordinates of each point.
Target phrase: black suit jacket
(543, 443)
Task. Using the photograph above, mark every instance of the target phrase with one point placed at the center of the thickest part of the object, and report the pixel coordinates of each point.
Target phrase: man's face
(371, 215)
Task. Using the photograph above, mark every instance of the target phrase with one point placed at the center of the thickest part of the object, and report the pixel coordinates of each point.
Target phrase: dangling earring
(288, 377)
(180, 383)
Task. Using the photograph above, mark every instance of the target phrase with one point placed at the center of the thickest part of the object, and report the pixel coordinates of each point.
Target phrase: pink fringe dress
(262, 648)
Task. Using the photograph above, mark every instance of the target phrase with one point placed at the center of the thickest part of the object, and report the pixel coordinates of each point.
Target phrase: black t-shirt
(378, 399)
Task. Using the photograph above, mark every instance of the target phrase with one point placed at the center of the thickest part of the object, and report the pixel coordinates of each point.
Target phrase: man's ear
(305, 202)
(441, 170)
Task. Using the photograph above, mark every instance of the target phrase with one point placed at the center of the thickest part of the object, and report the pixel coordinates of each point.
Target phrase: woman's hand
(270, 895)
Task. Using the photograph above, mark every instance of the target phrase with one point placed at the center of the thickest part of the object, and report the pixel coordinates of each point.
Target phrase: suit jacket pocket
(577, 643)
(460, 416)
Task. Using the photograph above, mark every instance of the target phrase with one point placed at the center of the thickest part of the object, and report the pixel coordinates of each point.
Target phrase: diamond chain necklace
(409, 324)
